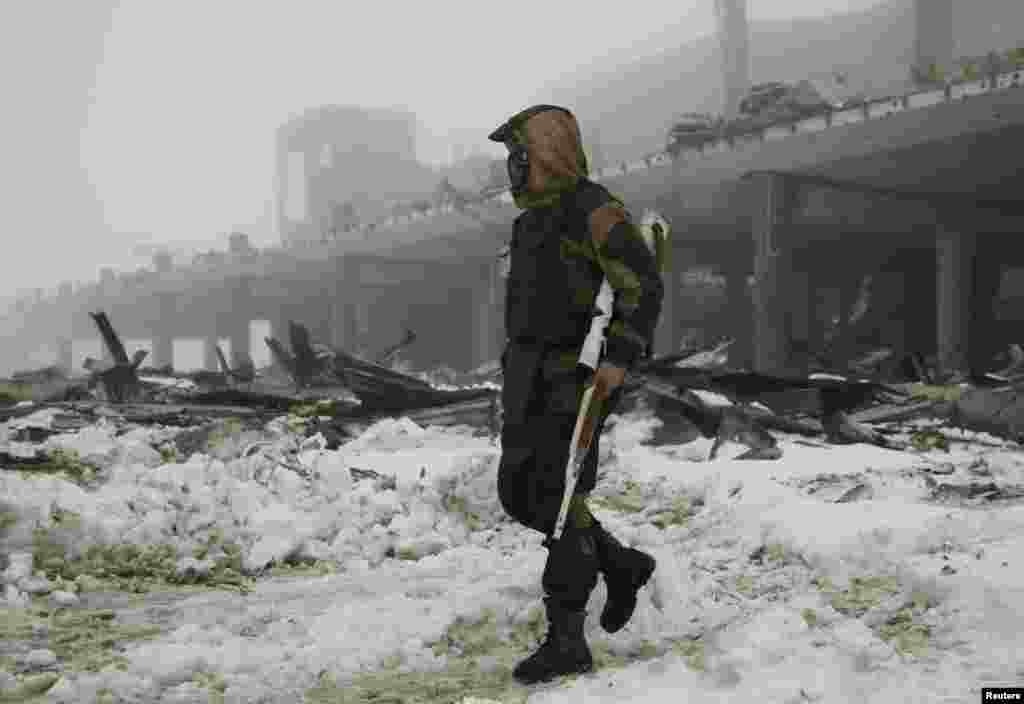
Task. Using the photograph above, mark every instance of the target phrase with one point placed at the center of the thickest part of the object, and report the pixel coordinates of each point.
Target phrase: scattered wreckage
(765, 105)
(335, 389)
(285, 422)
(309, 379)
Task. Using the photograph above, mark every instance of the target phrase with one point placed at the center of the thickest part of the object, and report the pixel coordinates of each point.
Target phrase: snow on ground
(827, 576)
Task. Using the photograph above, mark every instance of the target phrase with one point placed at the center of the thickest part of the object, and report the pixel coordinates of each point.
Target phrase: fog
(150, 122)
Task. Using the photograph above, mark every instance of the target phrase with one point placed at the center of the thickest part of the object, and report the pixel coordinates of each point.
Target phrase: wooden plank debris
(389, 353)
(840, 408)
(380, 389)
(245, 374)
(999, 412)
(763, 402)
(894, 413)
(120, 380)
(281, 356)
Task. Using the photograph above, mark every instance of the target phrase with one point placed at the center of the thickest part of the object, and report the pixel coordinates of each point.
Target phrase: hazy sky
(153, 120)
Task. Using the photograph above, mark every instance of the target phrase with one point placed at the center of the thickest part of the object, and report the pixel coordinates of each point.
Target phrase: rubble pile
(384, 480)
(251, 499)
(400, 525)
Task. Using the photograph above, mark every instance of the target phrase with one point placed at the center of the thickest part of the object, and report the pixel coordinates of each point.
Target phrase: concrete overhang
(939, 138)
(975, 171)
(962, 146)
(478, 232)
(971, 181)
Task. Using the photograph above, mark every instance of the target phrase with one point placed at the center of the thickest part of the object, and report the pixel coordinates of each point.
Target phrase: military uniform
(572, 234)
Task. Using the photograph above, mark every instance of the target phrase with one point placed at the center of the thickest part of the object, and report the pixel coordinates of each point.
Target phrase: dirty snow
(426, 543)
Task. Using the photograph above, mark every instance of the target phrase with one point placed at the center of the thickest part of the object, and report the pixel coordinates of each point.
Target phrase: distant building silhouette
(933, 40)
(340, 166)
(734, 43)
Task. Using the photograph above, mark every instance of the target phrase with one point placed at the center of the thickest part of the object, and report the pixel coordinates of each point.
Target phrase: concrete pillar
(210, 361)
(740, 316)
(666, 335)
(969, 270)
(163, 341)
(241, 346)
(278, 319)
(238, 322)
(65, 356)
(733, 36)
(818, 313)
(774, 199)
(361, 318)
(342, 322)
(921, 300)
(800, 313)
(800, 319)
(480, 329)
(323, 313)
(163, 262)
(163, 351)
(955, 281)
(933, 36)
(346, 316)
(890, 295)
(485, 329)
(986, 337)
(317, 310)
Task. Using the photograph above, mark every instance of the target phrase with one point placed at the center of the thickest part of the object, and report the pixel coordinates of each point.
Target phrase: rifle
(655, 230)
(586, 419)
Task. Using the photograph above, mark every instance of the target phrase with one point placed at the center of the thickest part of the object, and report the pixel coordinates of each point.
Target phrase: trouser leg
(570, 573)
(535, 452)
(541, 402)
(519, 483)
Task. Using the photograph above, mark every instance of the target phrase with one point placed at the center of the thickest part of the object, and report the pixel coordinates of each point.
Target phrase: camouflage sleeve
(632, 271)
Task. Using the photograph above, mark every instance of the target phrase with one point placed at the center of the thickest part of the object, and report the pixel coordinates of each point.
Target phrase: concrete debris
(19, 567)
(64, 599)
(40, 659)
(860, 492)
(35, 585)
(14, 597)
(190, 568)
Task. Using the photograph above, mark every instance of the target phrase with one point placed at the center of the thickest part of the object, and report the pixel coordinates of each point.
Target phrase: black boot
(564, 650)
(625, 570)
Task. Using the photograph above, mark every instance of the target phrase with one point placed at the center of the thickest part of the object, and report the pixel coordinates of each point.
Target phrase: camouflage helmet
(510, 129)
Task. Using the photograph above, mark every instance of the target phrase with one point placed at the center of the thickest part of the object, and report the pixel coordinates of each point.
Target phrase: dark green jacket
(559, 254)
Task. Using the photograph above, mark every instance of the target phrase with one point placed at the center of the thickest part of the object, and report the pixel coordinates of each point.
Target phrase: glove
(607, 379)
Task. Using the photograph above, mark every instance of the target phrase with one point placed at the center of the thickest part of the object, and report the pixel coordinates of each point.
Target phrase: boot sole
(579, 670)
(637, 586)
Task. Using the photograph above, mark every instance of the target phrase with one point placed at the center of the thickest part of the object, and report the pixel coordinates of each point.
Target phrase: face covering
(518, 167)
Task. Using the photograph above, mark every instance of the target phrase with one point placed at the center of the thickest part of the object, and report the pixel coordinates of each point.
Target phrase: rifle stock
(582, 438)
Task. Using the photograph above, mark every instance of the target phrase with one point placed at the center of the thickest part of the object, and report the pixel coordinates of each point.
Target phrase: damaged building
(341, 166)
(886, 225)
